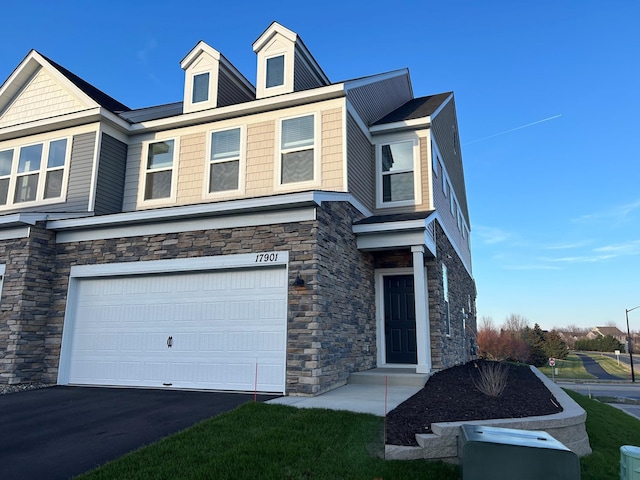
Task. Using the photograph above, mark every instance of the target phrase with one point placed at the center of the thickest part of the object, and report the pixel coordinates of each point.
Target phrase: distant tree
(535, 339)
(607, 343)
(554, 346)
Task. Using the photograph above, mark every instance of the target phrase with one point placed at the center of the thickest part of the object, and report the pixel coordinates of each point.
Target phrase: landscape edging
(567, 427)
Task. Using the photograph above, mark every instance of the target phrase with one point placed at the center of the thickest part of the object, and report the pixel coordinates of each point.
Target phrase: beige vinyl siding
(374, 101)
(191, 171)
(331, 153)
(111, 171)
(42, 97)
(260, 158)
(360, 164)
(443, 133)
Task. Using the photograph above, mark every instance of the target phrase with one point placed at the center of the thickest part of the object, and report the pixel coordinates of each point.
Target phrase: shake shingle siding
(360, 164)
(111, 170)
(373, 101)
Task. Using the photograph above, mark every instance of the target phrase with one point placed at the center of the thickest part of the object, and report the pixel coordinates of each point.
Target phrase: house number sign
(267, 257)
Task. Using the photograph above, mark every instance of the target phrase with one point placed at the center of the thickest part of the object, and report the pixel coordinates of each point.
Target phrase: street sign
(552, 362)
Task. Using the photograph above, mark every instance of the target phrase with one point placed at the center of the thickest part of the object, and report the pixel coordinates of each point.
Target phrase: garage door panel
(221, 323)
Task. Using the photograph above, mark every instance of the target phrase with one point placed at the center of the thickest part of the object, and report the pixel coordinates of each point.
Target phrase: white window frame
(242, 167)
(284, 70)
(144, 171)
(317, 167)
(41, 172)
(445, 287)
(435, 161)
(193, 90)
(417, 176)
(2, 270)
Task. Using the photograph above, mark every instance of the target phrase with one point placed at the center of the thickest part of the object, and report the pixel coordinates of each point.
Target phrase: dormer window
(201, 87)
(275, 71)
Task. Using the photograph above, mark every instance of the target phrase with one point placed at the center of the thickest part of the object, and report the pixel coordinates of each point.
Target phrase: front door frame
(423, 336)
(380, 273)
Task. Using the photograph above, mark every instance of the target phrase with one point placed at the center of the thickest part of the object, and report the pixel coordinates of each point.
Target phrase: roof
(613, 331)
(415, 108)
(99, 96)
(152, 113)
(397, 217)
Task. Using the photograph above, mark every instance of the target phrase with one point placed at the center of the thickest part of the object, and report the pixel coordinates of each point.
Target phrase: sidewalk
(354, 398)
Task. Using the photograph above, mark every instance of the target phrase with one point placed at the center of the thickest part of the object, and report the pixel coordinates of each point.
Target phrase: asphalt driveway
(59, 432)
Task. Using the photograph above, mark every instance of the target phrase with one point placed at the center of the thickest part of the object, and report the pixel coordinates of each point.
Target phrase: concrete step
(394, 377)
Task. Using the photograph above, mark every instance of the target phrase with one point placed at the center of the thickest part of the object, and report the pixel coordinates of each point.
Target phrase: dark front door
(400, 319)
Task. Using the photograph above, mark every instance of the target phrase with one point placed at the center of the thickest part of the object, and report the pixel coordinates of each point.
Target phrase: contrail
(513, 129)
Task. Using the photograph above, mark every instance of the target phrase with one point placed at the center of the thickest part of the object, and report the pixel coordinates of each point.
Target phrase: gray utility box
(505, 454)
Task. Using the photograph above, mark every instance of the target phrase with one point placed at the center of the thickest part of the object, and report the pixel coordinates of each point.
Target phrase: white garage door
(208, 330)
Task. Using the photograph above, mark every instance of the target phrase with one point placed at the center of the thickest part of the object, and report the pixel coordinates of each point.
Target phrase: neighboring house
(277, 237)
(615, 332)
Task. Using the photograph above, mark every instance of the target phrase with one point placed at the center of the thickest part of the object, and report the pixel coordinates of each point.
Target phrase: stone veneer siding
(456, 348)
(331, 319)
(25, 302)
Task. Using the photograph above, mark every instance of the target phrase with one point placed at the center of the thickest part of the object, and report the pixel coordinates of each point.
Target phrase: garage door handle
(170, 342)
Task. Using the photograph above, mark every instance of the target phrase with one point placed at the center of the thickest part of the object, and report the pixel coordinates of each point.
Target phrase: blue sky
(547, 95)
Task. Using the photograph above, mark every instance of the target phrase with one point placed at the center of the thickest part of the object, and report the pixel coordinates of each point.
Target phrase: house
(615, 332)
(276, 237)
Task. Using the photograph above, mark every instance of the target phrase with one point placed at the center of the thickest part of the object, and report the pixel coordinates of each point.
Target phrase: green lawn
(259, 441)
(608, 429)
(570, 368)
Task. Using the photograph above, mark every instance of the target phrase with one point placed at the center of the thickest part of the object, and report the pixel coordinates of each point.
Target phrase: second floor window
(397, 164)
(33, 173)
(224, 162)
(159, 170)
(297, 150)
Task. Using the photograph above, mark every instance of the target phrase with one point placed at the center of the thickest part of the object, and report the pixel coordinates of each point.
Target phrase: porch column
(423, 334)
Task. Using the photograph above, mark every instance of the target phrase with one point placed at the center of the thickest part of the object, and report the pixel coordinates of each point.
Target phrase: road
(629, 391)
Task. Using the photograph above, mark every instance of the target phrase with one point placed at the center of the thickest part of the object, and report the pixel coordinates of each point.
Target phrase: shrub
(491, 377)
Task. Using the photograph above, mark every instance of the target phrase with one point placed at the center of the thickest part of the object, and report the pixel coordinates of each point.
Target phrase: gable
(41, 97)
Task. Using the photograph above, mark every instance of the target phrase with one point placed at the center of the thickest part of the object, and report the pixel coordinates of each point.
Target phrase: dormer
(284, 63)
(211, 81)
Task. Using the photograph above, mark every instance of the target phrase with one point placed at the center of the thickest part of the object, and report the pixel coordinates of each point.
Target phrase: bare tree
(515, 323)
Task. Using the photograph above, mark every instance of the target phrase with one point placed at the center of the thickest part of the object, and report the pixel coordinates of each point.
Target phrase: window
(224, 161)
(397, 163)
(159, 170)
(275, 71)
(297, 150)
(200, 88)
(436, 164)
(33, 172)
(6, 162)
(445, 287)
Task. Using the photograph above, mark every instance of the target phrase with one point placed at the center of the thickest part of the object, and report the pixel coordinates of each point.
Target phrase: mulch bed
(450, 396)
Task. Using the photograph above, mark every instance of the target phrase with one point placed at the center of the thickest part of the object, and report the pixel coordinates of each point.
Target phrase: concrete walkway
(354, 398)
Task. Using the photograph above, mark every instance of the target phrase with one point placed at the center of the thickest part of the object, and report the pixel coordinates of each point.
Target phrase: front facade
(275, 237)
